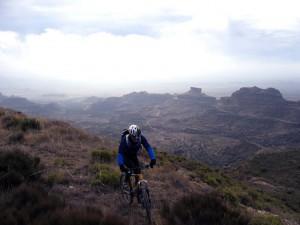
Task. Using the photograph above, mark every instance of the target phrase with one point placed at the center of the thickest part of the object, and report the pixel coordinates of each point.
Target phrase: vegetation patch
(57, 177)
(17, 167)
(104, 174)
(103, 156)
(233, 191)
(280, 169)
(16, 137)
(22, 123)
(60, 162)
(32, 205)
(213, 209)
(203, 209)
(266, 220)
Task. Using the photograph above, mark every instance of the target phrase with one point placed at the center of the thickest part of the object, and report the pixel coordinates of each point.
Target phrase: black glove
(152, 163)
(123, 168)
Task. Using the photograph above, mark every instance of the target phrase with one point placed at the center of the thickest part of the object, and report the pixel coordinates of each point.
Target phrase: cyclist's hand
(152, 163)
(123, 168)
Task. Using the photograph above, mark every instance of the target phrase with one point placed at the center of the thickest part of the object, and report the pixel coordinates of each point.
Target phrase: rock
(257, 96)
(195, 91)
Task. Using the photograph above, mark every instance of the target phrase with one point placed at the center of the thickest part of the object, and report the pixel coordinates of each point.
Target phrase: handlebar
(143, 167)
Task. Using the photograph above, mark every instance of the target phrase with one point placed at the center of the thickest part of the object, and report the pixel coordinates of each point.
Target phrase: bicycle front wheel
(125, 190)
(146, 203)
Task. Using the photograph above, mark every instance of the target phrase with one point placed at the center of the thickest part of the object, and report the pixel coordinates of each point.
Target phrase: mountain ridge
(193, 124)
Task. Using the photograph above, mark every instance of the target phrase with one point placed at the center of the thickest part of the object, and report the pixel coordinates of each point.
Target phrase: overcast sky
(90, 45)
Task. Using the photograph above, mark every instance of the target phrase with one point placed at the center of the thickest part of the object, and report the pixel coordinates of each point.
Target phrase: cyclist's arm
(148, 147)
(120, 157)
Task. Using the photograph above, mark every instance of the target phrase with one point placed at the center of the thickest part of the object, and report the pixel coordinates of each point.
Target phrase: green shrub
(21, 123)
(33, 205)
(60, 162)
(29, 124)
(57, 178)
(230, 196)
(266, 220)
(107, 178)
(105, 156)
(203, 209)
(211, 180)
(10, 121)
(105, 175)
(17, 167)
(16, 137)
(97, 167)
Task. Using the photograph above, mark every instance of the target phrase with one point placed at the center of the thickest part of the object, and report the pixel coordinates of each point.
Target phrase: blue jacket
(128, 148)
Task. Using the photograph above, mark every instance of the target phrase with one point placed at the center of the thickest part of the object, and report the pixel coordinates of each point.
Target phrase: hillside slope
(82, 169)
(278, 173)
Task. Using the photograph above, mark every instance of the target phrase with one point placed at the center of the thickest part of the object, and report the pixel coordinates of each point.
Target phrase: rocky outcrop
(256, 101)
(195, 94)
(194, 91)
(258, 96)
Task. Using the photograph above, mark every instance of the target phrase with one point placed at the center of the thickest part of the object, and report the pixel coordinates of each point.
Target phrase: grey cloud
(23, 19)
(243, 41)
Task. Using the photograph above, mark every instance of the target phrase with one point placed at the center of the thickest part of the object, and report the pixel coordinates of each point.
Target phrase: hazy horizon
(290, 91)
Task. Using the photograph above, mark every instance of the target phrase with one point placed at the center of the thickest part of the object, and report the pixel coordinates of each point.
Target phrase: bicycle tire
(146, 202)
(125, 191)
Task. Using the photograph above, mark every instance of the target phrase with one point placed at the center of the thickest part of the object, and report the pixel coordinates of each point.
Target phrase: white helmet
(134, 131)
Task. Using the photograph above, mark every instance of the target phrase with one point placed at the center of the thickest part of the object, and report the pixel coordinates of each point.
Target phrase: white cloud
(266, 14)
(183, 40)
(110, 58)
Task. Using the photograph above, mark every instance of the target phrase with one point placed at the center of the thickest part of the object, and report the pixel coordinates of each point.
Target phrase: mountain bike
(140, 189)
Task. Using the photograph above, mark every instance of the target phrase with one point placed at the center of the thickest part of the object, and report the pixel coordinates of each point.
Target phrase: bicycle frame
(140, 188)
(138, 176)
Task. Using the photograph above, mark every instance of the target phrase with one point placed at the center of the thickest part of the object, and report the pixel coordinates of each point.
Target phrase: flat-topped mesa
(195, 91)
(255, 90)
(255, 95)
(196, 94)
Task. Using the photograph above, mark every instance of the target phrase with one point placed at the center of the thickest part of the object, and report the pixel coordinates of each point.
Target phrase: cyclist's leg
(138, 176)
(137, 170)
(130, 162)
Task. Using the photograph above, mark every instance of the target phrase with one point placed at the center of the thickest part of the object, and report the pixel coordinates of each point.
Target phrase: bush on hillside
(203, 209)
(17, 167)
(104, 156)
(60, 162)
(32, 205)
(9, 121)
(29, 124)
(21, 123)
(104, 174)
(16, 137)
(57, 177)
(266, 220)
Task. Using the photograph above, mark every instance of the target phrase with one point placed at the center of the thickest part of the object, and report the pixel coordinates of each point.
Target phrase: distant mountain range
(221, 132)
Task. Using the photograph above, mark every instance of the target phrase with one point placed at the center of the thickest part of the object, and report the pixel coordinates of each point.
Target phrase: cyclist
(131, 143)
